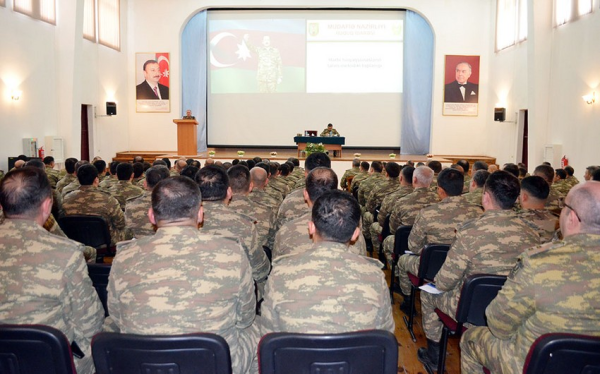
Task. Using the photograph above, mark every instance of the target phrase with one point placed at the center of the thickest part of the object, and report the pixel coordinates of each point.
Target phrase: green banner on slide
(232, 80)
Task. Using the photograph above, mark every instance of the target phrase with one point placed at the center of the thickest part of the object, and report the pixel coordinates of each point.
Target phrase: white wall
(58, 71)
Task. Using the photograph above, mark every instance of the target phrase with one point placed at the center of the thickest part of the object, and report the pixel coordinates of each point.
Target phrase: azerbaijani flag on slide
(233, 65)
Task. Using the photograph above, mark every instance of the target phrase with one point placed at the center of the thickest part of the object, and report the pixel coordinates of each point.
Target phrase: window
(89, 20)
(44, 10)
(101, 22)
(109, 23)
(511, 23)
(570, 10)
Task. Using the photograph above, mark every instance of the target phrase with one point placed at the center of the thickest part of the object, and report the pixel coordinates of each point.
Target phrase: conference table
(331, 143)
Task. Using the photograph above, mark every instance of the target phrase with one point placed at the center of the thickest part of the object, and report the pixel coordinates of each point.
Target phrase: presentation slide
(274, 74)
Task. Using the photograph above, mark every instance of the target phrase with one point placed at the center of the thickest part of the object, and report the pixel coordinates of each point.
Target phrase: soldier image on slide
(269, 73)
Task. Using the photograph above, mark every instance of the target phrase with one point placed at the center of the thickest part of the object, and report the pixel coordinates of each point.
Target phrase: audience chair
(385, 232)
(99, 275)
(432, 259)
(349, 183)
(363, 352)
(476, 294)
(89, 230)
(559, 353)
(34, 349)
(400, 248)
(199, 353)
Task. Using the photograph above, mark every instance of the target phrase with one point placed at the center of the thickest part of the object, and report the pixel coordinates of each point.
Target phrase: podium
(187, 140)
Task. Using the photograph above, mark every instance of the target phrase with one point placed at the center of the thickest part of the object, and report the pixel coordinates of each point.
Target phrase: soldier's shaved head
(319, 181)
(584, 202)
(22, 192)
(175, 199)
(258, 176)
(336, 216)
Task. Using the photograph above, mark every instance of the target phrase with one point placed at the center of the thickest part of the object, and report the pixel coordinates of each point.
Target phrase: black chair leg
(409, 322)
(392, 280)
(443, 346)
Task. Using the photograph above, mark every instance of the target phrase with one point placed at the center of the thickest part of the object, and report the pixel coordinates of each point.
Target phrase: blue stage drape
(418, 84)
(193, 64)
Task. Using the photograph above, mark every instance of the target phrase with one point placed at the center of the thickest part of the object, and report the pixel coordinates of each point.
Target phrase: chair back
(401, 240)
(477, 293)
(432, 259)
(34, 349)
(199, 353)
(559, 353)
(99, 275)
(363, 352)
(89, 230)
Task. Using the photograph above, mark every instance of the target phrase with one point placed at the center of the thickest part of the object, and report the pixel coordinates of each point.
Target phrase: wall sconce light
(15, 95)
(590, 98)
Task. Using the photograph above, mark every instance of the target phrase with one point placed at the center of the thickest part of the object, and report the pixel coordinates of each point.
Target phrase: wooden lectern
(187, 131)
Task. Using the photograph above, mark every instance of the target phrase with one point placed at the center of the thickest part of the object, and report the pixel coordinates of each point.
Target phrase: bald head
(258, 176)
(581, 213)
(19, 164)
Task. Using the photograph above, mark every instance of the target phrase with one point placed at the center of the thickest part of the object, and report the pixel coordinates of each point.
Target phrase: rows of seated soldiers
(490, 218)
(246, 206)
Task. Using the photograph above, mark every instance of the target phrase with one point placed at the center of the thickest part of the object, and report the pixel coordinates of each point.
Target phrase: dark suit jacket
(143, 91)
(452, 93)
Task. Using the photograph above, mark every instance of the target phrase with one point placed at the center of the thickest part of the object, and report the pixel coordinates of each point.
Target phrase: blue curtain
(418, 84)
(193, 64)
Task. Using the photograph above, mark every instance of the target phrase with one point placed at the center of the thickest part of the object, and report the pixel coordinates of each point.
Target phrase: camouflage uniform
(475, 196)
(326, 290)
(124, 190)
(358, 178)
(368, 185)
(542, 221)
(278, 184)
(293, 238)
(53, 176)
(553, 201)
(374, 200)
(405, 212)
(45, 282)
(269, 67)
(387, 205)
(136, 215)
(327, 132)
(65, 181)
(488, 245)
(554, 288)
(265, 217)
(73, 186)
(180, 281)
(348, 173)
(1, 174)
(92, 201)
(561, 186)
(219, 219)
(262, 197)
(436, 223)
(140, 182)
(572, 181)
(467, 184)
(292, 207)
(107, 182)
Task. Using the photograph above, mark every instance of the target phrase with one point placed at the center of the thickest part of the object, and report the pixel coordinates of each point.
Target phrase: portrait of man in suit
(461, 90)
(150, 89)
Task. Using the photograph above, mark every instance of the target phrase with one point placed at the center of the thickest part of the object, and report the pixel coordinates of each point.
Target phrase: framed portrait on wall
(152, 75)
(461, 85)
